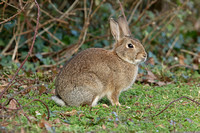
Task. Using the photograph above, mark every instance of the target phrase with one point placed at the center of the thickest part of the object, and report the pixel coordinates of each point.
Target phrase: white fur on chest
(134, 78)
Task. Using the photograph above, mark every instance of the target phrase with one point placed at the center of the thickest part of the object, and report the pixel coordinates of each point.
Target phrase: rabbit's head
(126, 47)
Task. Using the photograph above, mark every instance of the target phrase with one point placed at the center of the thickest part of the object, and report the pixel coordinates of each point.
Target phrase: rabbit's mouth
(138, 61)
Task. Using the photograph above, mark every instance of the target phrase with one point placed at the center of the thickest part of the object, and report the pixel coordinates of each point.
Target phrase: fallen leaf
(56, 121)
(13, 104)
(42, 89)
(185, 103)
(70, 113)
(160, 83)
(44, 123)
(41, 124)
(2, 87)
(181, 59)
(150, 77)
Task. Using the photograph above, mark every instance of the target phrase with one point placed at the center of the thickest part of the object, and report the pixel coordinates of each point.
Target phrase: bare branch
(29, 53)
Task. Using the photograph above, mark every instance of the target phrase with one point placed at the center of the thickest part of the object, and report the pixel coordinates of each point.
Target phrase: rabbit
(96, 72)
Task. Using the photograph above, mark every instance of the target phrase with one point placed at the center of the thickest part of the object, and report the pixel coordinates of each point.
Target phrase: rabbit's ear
(124, 26)
(115, 29)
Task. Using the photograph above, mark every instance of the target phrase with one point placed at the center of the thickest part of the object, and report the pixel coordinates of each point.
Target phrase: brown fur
(96, 72)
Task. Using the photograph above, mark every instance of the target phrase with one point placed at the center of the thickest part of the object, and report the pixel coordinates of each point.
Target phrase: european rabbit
(96, 72)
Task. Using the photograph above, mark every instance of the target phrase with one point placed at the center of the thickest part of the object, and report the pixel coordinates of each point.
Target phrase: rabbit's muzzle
(141, 57)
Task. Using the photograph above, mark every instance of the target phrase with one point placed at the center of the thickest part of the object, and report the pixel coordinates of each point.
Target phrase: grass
(139, 105)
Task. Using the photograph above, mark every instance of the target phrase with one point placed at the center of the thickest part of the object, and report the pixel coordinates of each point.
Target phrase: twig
(179, 65)
(29, 53)
(48, 113)
(54, 37)
(189, 52)
(143, 12)
(83, 34)
(176, 101)
(161, 16)
(8, 19)
(50, 26)
(74, 48)
(55, 7)
(97, 9)
(158, 33)
(122, 10)
(8, 46)
(19, 30)
(9, 4)
(156, 27)
(133, 12)
(21, 107)
(172, 46)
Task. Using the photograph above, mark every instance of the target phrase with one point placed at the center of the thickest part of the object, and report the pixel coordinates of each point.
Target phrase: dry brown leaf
(181, 59)
(56, 121)
(13, 104)
(41, 124)
(196, 62)
(2, 87)
(150, 77)
(70, 113)
(160, 83)
(44, 123)
(42, 89)
(185, 103)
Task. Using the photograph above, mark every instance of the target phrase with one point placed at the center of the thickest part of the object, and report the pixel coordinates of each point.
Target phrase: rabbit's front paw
(117, 104)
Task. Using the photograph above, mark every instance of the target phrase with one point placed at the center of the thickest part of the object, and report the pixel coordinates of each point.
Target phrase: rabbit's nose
(144, 55)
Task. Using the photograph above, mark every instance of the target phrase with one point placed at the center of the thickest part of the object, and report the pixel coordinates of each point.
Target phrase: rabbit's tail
(58, 100)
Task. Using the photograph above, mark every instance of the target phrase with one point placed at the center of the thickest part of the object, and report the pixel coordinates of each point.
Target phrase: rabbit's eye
(130, 45)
